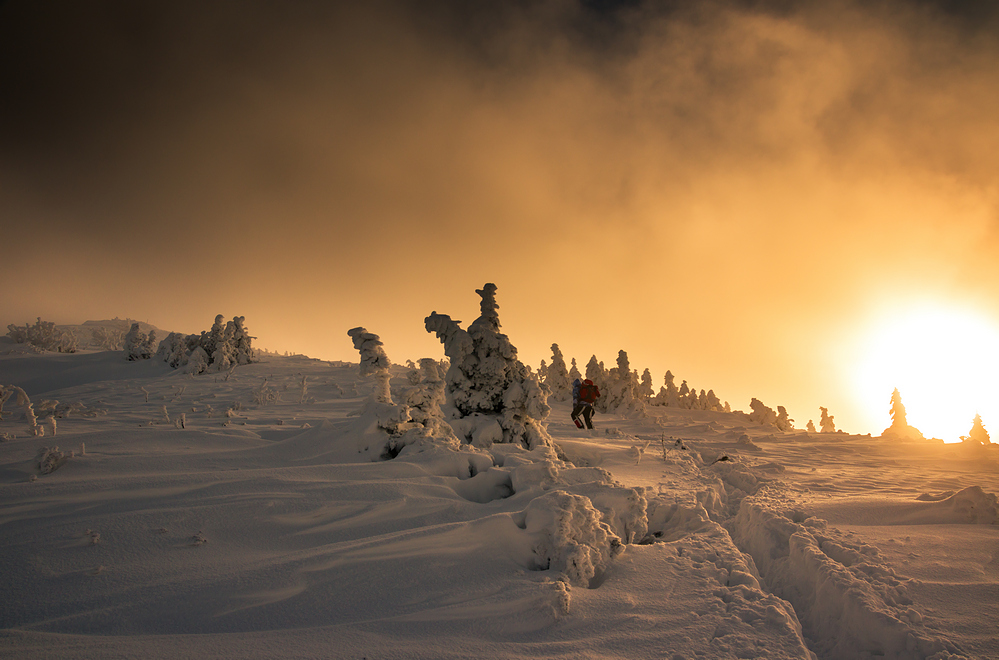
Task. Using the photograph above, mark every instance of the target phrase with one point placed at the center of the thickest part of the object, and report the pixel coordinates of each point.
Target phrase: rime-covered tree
(826, 422)
(618, 394)
(978, 435)
(486, 379)
(375, 362)
(714, 403)
(138, 346)
(558, 376)
(761, 413)
(810, 427)
(574, 372)
(669, 395)
(645, 389)
(900, 428)
(784, 421)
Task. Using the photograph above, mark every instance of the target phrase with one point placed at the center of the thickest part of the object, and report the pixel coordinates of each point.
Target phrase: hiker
(583, 398)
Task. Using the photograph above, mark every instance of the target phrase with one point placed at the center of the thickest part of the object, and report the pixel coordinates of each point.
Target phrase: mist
(729, 191)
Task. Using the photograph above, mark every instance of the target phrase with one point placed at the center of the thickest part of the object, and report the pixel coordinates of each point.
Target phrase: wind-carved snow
(281, 525)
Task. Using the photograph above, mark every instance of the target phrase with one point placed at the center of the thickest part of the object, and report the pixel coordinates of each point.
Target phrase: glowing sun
(945, 363)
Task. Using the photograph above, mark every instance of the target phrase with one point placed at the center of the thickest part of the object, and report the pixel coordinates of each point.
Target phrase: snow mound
(570, 536)
(971, 505)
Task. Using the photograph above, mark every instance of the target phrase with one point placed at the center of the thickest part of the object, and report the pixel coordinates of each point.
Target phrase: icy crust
(850, 602)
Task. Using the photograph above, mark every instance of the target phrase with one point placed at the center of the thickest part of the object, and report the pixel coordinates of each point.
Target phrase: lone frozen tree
(978, 435)
(900, 428)
(826, 422)
(574, 372)
(485, 377)
(374, 362)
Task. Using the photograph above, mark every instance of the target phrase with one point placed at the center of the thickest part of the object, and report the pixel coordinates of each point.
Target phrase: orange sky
(728, 193)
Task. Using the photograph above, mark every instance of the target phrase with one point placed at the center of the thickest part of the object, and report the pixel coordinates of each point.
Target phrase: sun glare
(944, 362)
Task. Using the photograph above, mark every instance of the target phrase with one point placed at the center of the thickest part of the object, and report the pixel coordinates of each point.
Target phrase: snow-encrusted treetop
(374, 359)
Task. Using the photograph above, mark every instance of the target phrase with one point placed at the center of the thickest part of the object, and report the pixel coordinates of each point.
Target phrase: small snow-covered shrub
(49, 459)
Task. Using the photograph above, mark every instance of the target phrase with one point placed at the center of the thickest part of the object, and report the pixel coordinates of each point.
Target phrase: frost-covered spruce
(827, 423)
(574, 372)
(669, 395)
(557, 378)
(645, 390)
(784, 421)
(486, 379)
(900, 428)
(138, 346)
(620, 387)
(762, 414)
(173, 350)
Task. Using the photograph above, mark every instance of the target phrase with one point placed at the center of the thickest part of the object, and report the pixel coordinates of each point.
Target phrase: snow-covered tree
(375, 362)
(762, 414)
(826, 422)
(558, 376)
(574, 372)
(810, 427)
(618, 392)
(900, 428)
(669, 395)
(645, 387)
(173, 350)
(487, 380)
(543, 371)
(139, 346)
(713, 402)
(978, 434)
(784, 421)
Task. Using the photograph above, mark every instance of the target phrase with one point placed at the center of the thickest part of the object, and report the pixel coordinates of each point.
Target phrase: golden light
(943, 359)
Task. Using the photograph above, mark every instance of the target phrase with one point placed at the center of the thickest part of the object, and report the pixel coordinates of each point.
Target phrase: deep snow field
(268, 532)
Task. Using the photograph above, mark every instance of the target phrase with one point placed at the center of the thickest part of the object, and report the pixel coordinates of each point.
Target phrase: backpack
(588, 392)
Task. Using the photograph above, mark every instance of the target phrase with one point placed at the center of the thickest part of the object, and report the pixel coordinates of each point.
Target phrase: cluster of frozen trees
(224, 346)
(623, 391)
(44, 335)
(687, 397)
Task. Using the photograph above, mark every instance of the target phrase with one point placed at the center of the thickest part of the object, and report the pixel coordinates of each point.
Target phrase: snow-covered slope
(261, 528)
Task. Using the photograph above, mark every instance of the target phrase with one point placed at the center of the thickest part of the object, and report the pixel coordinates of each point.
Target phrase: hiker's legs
(587, 415)
(578, 409)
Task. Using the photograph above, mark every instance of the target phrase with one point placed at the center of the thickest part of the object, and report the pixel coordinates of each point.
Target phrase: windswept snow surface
(266, 530)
